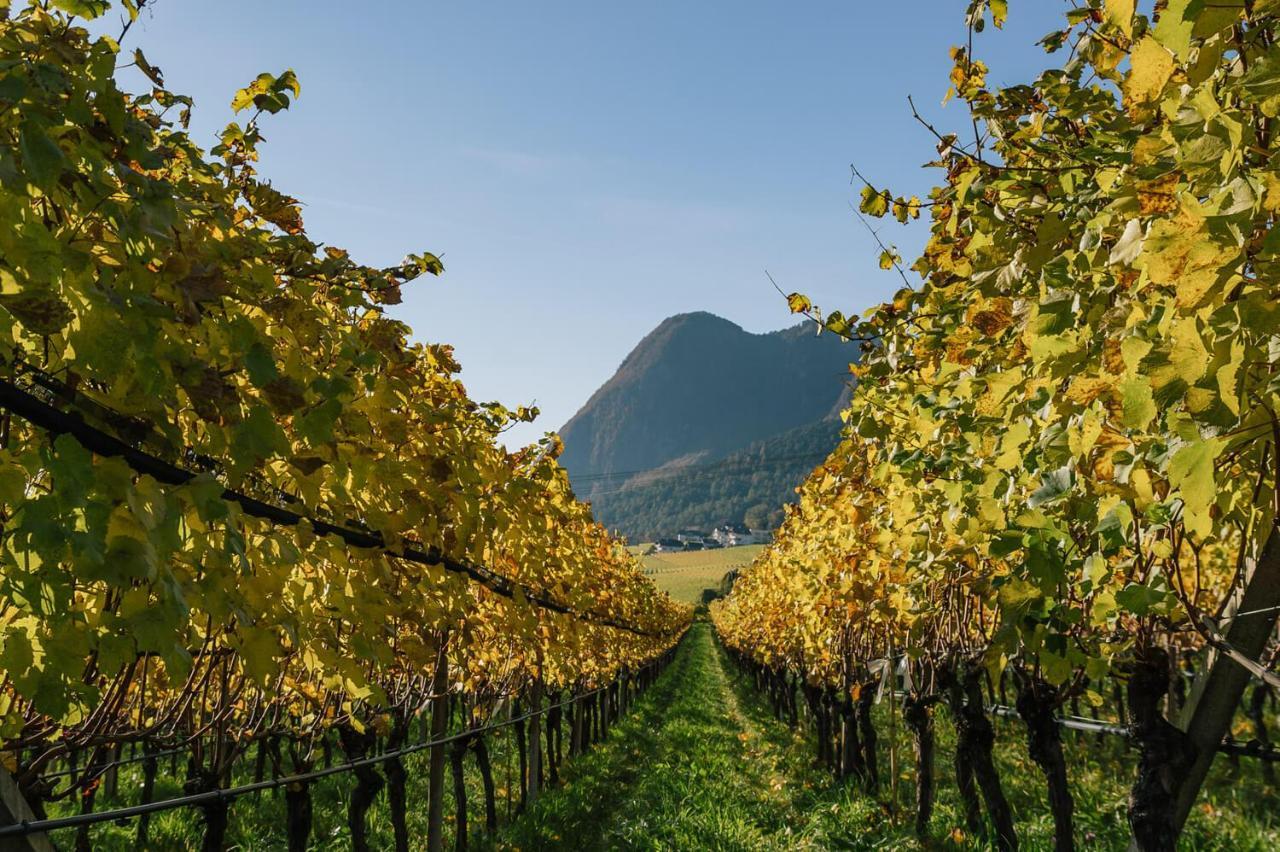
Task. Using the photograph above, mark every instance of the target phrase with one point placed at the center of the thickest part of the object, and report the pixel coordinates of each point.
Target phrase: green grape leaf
(1139, 599)
(1191, 472)
(1055, 485)
(42, 159)
(87, 9)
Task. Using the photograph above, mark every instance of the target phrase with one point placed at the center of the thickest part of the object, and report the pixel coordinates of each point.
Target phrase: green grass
(700, 763)
(684, 771)
(1237, 813)
(685, 575)
(258, 820)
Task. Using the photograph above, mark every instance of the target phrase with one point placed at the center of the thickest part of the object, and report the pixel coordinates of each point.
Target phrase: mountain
(704, 421)
(751, 484)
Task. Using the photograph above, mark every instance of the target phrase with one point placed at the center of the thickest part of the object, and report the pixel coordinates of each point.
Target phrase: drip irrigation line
(1236, 615)
(1094, 726)
(26, 827)
(58, 422)
(1253, 748)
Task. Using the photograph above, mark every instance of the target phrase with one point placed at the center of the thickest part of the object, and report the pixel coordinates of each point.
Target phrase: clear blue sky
(587, 169)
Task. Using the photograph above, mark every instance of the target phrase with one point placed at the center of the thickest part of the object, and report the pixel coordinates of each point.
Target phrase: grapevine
(171, 302)
(1059, 469)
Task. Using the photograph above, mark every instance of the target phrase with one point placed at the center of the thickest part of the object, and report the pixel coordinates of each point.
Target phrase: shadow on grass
(577, 815)
(675, 774)
(1237, 810)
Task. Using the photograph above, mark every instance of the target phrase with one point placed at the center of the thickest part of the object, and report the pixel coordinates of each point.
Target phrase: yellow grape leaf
(258, 651)
(1180, 252)
(1132, 351)
(1271, 197)
(1141, 482)
(1120, 15)
(799, 303)
(1085, 389)
(1095, 568)
(1152, 65)
(1226, 377)
(1188, 354)
(1011, 446)
(1082, 438)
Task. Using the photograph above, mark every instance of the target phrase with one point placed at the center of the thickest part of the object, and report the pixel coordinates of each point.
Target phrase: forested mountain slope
(703, 421)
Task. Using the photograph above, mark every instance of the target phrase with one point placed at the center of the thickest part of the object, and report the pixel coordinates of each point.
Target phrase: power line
(57, 422)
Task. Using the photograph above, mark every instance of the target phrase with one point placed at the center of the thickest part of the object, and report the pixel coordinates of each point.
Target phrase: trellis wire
(45, 416)
(26, 827)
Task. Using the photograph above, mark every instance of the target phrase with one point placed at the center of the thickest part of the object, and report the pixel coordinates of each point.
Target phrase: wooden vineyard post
(1211, 706)
(439, 724)
(13, 810)
(535, 736)
(111, 783)
(891, 672)
(396, 780)
(148, 791)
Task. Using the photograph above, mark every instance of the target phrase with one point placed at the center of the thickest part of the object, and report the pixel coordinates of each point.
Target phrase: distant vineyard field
(685, 575)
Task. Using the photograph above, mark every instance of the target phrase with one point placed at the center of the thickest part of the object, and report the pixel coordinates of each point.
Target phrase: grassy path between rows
(693, 767)
(701, 764)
